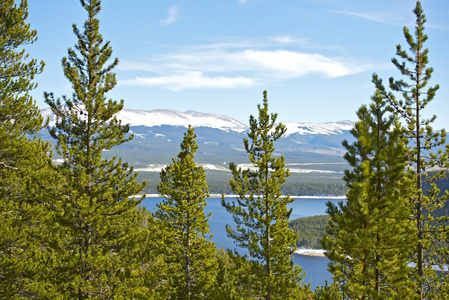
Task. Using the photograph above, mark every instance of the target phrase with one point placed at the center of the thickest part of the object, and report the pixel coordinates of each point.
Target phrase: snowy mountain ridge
(327, 128)
(160, 117)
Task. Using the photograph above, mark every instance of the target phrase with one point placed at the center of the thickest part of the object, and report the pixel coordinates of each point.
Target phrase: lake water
(314, 267)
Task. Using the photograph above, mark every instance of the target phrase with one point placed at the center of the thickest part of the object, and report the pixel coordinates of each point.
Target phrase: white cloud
(190, 79)
(172, 16)
(293, 41)
(232, 66)
(284, 39)
(281, 63)
(242, 1)
(289, 64)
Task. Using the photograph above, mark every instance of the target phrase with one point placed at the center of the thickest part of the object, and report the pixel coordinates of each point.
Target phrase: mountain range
(307, 147)
(160, 117)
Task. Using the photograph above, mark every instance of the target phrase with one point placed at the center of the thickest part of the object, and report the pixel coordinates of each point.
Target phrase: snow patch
(58, 161)
(154, 168)
(215, 167)
(329, 128)
(307, 171)
(139, 135)
(251, 167)
(310, 252)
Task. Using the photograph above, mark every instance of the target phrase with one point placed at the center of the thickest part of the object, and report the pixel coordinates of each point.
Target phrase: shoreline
(234, 196)
(310, 252)
(298, 251)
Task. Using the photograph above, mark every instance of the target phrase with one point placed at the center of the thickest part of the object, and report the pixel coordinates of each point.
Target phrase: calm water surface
(314, 267)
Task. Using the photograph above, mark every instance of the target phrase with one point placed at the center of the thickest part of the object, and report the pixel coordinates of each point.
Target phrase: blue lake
(314, 267)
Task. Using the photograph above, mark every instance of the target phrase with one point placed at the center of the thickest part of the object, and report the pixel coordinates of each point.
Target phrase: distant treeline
(296, 189)
(314, 189)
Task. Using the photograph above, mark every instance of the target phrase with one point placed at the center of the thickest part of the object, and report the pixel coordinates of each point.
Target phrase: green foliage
(230, 270)
(261, 214)
(443, 185)
(423, 153)
(19, 114)
(310, 231)
(24, 164)
(189, 253)
(328, 292)
(368, 237)
(95, 221)
(147, 249)
(73, 231)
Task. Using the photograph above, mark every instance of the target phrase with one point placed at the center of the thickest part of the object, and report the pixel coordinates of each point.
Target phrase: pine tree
(368, 237)
(424, 141)
(261, 213)
(148, 249)
(17, 71)
(328, 292)
(23, 159)
(189, 252)
(95, 218)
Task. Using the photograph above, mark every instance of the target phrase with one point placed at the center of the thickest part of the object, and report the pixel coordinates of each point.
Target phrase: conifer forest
(77, 230)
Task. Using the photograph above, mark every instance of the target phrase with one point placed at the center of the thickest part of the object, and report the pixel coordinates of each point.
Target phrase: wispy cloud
(243, 1)
(372, 16)
(232, 67)
(289, 64)
(386, 17)
(173, 13)
(284, 39)
(190, 79)
(289, 40)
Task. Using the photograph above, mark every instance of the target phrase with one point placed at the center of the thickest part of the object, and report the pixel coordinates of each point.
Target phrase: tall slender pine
(425, 152)
(95, 217)
(261, 213)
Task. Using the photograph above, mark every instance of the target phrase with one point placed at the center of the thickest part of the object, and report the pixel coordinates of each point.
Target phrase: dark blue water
(314, 267)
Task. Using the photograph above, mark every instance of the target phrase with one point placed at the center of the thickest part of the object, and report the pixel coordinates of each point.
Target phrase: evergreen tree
(261, 213)
(95, 218)
(148, 250)
(425, 152)
(23, 158)
(189, 253)
(328, 292)
(19, 114)
(368, 237)
(229, 286)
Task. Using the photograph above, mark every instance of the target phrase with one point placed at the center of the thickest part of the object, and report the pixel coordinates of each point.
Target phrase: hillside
(313, 152)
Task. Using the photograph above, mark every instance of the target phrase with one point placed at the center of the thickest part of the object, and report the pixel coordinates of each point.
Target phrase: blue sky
(314, 57)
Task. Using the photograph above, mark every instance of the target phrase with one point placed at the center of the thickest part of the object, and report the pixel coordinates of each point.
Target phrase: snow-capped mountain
(318, 128)
(158, 134)
(160, 117)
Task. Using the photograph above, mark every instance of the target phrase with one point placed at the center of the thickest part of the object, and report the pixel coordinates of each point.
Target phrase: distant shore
(299, 251)
(310, 252)
(233, 196)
